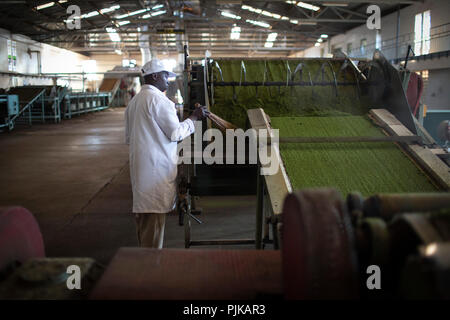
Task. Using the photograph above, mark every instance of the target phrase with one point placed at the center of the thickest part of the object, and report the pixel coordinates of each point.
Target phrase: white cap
(155, 66)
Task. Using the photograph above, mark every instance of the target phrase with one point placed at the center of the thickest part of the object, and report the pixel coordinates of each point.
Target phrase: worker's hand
(199, 113)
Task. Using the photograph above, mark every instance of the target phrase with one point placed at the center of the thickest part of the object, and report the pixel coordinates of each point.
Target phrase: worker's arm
(167, 119)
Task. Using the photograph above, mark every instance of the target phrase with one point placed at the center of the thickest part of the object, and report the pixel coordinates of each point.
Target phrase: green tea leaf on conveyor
(318, 100)
(377, 167)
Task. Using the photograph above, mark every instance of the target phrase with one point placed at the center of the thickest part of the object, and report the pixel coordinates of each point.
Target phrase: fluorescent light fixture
(317, 44)
(324, 36)
(132, 13)
(45, 5)
(258, 23)
(113, 8)
(308, 6)
(293, 21)
(146, 16)
(308, 23)
(90, 14)
(335, 4)
(113, 34)
(137, 12)
(320, 40)
(272, 36)
(230, 15)
(157, 6)
(235, 33)
(270, 39)
(263, 12)
(122, 23)
(119, 52)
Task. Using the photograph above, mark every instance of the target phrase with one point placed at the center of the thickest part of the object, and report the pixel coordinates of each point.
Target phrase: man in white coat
(152, 132)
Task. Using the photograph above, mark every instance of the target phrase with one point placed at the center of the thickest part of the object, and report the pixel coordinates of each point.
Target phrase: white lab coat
(152, 131)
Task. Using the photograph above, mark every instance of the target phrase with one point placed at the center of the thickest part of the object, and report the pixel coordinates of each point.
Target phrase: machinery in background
(123, 83)
(31, 104)
(76, 103)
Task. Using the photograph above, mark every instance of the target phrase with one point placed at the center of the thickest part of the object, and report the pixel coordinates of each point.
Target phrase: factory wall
(440, 28)
(107, 62)
(52, 60)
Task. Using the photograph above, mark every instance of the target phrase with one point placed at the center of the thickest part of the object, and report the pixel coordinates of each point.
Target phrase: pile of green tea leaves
(370, 167)
(231, 103)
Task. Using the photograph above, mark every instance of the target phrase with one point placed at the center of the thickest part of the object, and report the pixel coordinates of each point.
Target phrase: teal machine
(9, 110)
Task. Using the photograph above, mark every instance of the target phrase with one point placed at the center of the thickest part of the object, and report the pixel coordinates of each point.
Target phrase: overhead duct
(144, 45)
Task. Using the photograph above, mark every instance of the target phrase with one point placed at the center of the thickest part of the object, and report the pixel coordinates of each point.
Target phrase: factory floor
(74, 178)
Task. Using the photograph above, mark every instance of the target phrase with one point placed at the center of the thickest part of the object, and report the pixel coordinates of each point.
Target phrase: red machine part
(414, 92)
(318, 254)
(20, 236)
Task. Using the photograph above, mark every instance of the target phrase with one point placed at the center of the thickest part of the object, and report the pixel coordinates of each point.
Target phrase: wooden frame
(426, 158)
(277, 185)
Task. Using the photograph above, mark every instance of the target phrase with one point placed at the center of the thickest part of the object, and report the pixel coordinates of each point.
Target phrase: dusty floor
(74, 178)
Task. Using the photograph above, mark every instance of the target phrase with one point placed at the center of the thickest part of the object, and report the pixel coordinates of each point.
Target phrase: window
(349, 48)
(363, 46)
(378, 40)
(422, 28)
(90, 67)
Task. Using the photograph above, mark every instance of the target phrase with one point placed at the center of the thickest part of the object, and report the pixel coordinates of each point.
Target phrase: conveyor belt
(26, 95)
(367, 167)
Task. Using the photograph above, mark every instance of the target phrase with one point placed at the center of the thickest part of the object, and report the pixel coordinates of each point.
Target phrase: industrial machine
(77, 103)
(31, 105)
(330, 93)
(44, 103)
(9, 109)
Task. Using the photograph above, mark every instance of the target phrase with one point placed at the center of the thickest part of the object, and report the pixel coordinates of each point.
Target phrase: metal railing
(439, 41)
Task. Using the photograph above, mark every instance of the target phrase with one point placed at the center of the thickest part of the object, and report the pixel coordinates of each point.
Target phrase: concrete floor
(74, 178)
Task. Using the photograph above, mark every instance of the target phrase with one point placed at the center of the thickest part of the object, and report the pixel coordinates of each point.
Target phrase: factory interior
(335, 186)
